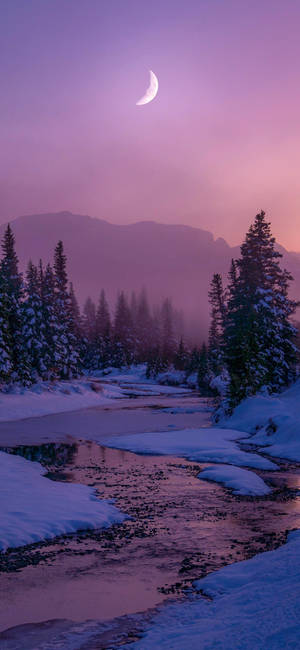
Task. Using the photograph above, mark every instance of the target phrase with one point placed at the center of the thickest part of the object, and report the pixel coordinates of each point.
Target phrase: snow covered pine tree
(33, 324)
(103, 333)
(259, 337)
(13, 293)
(66, 355)
(216, 330)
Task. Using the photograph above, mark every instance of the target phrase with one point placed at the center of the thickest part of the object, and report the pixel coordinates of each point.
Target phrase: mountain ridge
(168, 259)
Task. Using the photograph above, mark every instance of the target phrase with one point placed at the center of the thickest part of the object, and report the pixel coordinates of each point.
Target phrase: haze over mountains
(175, 261)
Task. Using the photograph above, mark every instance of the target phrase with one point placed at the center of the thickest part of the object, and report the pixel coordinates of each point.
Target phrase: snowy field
(34, 508)
(255, 605)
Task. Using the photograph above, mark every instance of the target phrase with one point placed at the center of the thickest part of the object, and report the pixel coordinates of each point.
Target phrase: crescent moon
(151, 91)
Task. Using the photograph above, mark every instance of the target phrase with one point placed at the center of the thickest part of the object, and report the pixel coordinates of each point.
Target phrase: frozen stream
(181, 528)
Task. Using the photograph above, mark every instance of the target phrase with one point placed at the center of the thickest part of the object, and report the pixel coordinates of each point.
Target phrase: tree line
(136, 333)
(44, 335)
(37, 320)
(252, 339)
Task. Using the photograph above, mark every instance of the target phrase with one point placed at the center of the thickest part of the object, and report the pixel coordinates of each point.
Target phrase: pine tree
(233, 277)
(33, 325)
(103, 322)
(103, 333)
(181, 357)
(259, 337)
(156, 319)
(143, 328)
(168, 344)
(89, 320)
(12, 286)
(51, 321)
(88, 327)
(178, 324)
(123, 335)
(203, 372)
(216, 331)
(66, 356)
(155, 363)
(133, 307)
(193, 360)
(5, 343)
(75, 314)
(75, 326)
(283, 352)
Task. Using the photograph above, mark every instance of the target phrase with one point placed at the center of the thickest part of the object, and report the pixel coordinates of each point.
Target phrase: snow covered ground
(134, 381)
(145, 390)
(240, 480)
(45, 398)
(255, 605)
(202, 445)
(33, 508)
(137, 374)
(275, 421)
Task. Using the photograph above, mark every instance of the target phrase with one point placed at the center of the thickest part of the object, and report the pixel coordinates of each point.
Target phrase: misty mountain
(176, 261)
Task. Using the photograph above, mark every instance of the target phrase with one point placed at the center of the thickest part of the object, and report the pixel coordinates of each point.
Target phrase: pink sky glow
(220, 141)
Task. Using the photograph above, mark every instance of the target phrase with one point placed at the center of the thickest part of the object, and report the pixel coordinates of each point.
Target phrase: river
(181, 528)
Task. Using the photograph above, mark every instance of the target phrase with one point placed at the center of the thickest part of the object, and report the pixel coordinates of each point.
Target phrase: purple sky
(220, 141)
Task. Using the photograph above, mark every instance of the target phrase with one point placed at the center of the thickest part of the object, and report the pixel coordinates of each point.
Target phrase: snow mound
(256, 604)
(34, 508)
(274, 421)
(171, 377)
(206, 444)
(129, 374)
(242, 481)
(220, 383)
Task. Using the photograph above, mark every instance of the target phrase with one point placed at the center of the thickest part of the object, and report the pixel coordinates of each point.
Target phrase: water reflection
(181, 529)
(56, 454)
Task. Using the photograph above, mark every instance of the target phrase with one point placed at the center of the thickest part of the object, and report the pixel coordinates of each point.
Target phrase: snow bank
(220, 383)
(275, 419)
(242, 481)
(45, 398)
(33, 508)
(171, 377)
(256, 604)
(134, 373)
(192, 380)
(206, 445)
(165, 383)
(153, 390)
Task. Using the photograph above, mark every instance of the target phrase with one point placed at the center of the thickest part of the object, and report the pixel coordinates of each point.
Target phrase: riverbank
(51, 397)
